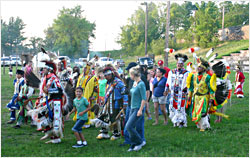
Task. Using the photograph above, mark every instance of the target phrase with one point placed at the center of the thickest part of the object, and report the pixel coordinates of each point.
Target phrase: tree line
(70, 32)
(189, 22)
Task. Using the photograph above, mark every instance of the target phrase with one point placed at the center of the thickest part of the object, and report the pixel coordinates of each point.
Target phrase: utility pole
(223, 31)
(146, 28)
(167, 33)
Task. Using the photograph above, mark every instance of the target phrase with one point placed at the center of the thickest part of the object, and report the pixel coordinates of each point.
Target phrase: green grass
(229, 138)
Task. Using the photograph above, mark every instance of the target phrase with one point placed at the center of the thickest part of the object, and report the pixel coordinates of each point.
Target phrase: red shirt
(167, 71)
(240, 77)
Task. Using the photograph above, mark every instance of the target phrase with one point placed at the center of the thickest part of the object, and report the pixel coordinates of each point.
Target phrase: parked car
(14, 60)
(81, 62)
(67, 58)
(102, 61)
(146, 61)
(5, 61)
(120, 61)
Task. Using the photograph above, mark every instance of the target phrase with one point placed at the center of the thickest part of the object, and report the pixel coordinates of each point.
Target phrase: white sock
(84, 142)
(79, 142)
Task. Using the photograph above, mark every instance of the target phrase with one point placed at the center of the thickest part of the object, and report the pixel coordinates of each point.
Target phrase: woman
(159, 84)
(138, 99)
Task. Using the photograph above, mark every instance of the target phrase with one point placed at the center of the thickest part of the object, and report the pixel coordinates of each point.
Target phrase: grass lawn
(229, 138)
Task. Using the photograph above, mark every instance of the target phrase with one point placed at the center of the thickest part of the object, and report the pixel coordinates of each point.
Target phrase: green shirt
(138, 94)
(102, 87)
(81, 105)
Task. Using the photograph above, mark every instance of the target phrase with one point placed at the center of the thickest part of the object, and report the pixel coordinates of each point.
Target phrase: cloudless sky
(109, 16)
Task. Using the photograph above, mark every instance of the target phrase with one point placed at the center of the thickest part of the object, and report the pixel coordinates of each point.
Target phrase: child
(10, 71)
(25, 93)
(13, 105)
(82, 106)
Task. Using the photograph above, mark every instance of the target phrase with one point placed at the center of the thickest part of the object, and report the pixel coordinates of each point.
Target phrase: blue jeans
(139, 126)
(134, 136)
(78, 126)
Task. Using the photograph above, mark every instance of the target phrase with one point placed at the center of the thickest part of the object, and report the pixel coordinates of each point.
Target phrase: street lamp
(146, 27)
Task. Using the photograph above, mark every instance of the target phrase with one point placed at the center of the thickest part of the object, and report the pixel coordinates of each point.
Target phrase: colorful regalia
(202, 87)
(223, 88)
(239, 80)
(176, 84)
(49, 113)
(115, 101)
(24, 95)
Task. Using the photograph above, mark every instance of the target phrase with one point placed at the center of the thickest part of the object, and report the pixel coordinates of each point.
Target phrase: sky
(109, 16)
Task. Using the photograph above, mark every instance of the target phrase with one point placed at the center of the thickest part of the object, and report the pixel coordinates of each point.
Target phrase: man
(160, 64)
(53, 91)
(13, 104)
(239, 80)
(176, 85)
(201, 94)
(115, 101)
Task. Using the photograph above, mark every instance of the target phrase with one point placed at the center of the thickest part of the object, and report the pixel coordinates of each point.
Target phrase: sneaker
(17, 126)
(138, 147)
(103, 136)
(131, 148)
(10, 121)
(143, 143)
(84, 143)
(150, 118)
(86, 126)
(78, 146)
(114, 137)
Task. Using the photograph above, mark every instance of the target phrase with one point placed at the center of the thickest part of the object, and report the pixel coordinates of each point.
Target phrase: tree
(12, 35)
(206, 24)
(70, 32)
(36, 43)
(235, 14)
(132, 35)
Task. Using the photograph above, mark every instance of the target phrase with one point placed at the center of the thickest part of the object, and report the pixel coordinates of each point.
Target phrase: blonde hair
(135, 71)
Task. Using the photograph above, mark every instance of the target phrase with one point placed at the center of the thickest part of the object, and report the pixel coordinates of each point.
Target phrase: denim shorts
(78, 126)
(160, 100)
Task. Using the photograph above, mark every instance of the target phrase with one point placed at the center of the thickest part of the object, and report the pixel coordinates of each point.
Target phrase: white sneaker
(114, 137)
(84, 143)
(86, 126)
(143, 143)
(103, 136)
(55, 141)
(138, 147)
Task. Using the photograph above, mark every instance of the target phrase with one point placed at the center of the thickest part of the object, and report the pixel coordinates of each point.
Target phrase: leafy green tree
(70, 32)
(132, 37)
(12, 35)
(206, 24)
(235, 14)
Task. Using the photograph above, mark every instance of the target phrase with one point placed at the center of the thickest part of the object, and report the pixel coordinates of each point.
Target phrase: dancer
(201, 94)
(239, 80)
(176, 85)
(115, 101)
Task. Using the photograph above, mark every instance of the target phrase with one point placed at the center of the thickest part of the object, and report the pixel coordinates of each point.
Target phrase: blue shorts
(78, 126)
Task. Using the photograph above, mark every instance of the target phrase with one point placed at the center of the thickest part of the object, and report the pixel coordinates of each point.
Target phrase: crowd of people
(116, 100)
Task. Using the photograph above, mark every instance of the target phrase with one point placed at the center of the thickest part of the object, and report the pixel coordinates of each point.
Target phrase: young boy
(82, 106)
(13, 104)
